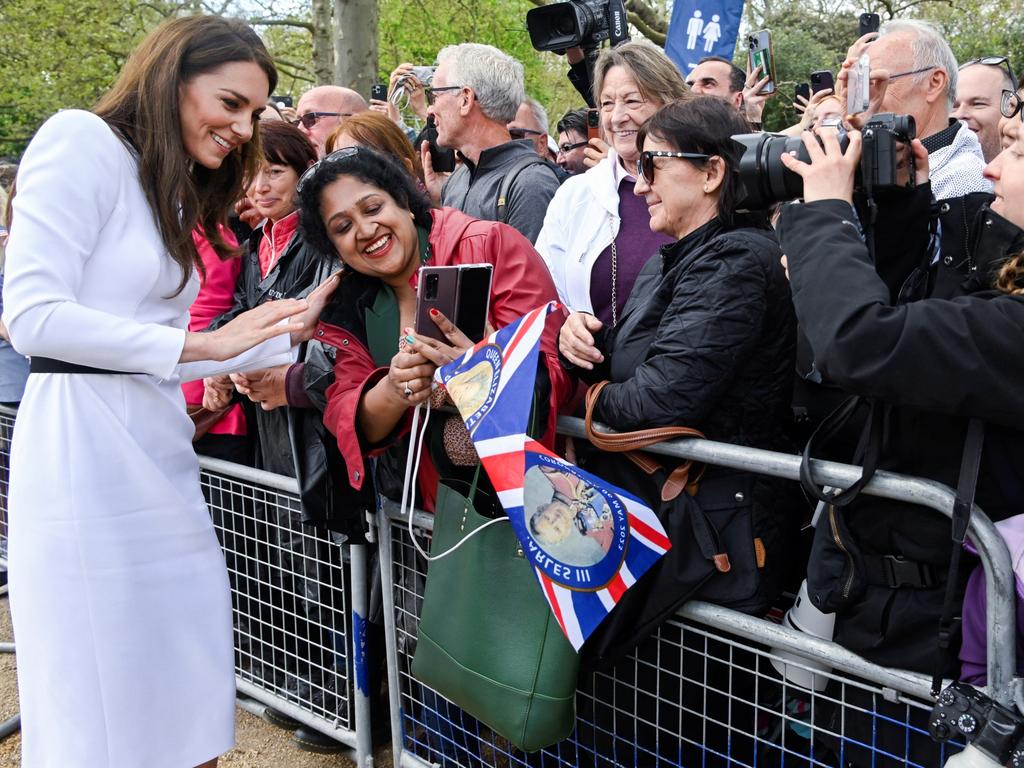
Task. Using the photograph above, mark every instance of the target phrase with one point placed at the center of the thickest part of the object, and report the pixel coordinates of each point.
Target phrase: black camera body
(766, 181)
(584, 23)
(962, 712)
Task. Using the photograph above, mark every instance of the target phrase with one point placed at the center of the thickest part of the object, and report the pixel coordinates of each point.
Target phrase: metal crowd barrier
(706, 689)
(298, 600)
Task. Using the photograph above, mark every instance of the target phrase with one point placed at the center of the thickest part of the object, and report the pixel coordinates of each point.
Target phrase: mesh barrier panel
(289, 595)
(693, 695)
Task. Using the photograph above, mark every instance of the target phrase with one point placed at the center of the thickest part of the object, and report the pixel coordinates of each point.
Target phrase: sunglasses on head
(310, 119)
(324, 162)
(994, 61)
(645, 163)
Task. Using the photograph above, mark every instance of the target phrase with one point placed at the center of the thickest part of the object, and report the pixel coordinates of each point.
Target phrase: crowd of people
(890, 317)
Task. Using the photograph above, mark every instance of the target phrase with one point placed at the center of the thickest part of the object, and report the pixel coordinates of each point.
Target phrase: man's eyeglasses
(911, 72)
(1011, 104)
(565, 149)
(522, 133)
(323, 162)
(432, 92)
(310, 119)
(645, 163)
(994, 61)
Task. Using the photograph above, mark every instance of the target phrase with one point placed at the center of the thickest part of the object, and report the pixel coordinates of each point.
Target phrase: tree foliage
(64, 53)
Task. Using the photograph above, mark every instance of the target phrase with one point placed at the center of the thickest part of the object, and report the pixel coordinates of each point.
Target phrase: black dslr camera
(584, 23)
(962, 712)
(767, 181)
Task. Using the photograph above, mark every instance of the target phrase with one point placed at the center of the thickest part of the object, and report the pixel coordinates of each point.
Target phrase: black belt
(49, 365)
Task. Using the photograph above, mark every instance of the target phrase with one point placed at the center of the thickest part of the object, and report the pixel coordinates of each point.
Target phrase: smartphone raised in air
(760, 53)
(461, 293)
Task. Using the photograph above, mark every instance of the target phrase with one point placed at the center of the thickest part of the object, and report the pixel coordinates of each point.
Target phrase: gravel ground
(259, 745)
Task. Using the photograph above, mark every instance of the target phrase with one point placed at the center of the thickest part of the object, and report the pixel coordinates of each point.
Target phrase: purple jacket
(973, 650)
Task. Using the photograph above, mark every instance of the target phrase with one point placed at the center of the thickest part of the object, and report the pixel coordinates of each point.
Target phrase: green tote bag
(488, 641)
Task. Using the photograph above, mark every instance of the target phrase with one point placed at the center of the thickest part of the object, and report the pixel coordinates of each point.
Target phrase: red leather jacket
(520, 282)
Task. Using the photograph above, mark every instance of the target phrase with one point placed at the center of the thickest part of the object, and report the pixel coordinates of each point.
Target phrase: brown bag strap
(630, 443)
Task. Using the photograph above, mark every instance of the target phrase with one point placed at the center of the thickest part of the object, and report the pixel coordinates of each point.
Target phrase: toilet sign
(702, 28)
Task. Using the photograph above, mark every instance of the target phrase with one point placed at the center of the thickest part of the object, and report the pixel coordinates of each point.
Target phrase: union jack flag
(588, 541)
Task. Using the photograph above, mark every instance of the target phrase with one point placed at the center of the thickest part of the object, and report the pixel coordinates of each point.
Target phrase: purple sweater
(973, 651)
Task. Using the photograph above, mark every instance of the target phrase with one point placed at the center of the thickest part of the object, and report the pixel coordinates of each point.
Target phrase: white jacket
(581, 221)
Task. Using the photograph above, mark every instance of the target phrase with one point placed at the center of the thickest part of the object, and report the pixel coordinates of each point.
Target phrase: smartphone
(761, 54)
(858, 95)
(442, 159)
(379, 91)
(282, 101)
(593, 124)
(822, 80)
(869, 22)
(461, 293)
(802, 89)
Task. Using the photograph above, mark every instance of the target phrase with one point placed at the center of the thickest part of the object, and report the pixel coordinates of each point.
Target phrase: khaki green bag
(487, 638)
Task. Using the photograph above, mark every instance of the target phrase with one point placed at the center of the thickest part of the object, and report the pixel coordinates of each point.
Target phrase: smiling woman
(119, 593)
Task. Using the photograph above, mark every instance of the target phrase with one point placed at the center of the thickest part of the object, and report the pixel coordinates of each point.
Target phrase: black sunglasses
(645, 163)
(324, 162)
(565, 149)
(522, 133)
(994, 61)
(1011, 104)
(310, 119)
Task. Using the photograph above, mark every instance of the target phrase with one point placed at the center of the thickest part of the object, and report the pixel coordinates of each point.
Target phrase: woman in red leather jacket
(364, 206)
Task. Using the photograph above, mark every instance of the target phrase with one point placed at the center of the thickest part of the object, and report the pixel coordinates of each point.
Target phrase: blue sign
(702, 28)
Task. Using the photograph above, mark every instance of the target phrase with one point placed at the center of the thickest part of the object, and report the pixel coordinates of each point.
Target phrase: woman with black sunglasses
(706, 340)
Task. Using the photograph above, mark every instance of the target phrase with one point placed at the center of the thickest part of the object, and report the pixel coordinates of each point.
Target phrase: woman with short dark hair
(119, 594)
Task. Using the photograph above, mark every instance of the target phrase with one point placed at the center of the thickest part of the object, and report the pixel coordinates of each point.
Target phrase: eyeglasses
(522, 133)
(432, 92)
(310, 119)
(911, 72)
(645, 163)
(1010, 104)
(325, 161)
(565, 149)
(994, 61)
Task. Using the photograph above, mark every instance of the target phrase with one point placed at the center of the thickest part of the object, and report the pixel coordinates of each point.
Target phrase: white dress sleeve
(271, 353)
(67, 190)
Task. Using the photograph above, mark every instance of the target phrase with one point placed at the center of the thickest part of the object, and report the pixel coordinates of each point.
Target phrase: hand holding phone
(379, 92)
(858, 85)
(461, 293)
(868, 23)
(822, 80)
(760, 53)
(802, 90)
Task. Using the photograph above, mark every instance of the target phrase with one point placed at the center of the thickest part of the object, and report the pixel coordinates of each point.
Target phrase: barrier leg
(360, 665)
(390, 634)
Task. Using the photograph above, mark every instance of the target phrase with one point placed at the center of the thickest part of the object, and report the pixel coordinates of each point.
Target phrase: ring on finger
(408, 390)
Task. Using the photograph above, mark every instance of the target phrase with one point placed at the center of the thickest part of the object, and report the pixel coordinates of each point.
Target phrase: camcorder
(584, 23)
(767, 181)
(994, 734)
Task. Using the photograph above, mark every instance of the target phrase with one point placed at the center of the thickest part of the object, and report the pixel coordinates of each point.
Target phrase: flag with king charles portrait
(587, 540)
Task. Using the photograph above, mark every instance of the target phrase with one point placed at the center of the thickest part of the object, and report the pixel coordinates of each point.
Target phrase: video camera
(585, 23)
(994, 734)
(767, 181)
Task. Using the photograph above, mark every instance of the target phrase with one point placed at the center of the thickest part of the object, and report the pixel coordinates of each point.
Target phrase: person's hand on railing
(576, 340)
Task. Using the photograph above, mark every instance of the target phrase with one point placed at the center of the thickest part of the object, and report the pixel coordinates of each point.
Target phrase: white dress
(119, 592)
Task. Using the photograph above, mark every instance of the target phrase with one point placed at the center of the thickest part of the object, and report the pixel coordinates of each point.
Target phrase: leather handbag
(718, 553)
(487, 639)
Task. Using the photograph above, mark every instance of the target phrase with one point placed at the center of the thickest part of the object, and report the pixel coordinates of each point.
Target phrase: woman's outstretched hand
(317, 300)
(246, 331)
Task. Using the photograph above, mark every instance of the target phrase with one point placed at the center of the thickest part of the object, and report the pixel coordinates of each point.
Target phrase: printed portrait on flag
(568, 517)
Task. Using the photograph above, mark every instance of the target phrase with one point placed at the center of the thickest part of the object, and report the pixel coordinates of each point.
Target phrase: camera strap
(868, 452)
(967, 484)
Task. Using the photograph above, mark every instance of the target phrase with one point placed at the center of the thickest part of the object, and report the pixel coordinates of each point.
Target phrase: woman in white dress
(119, 592)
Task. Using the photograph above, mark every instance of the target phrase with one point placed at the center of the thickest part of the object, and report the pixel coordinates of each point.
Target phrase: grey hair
(929, 49)
(540, 115)
(494, 77)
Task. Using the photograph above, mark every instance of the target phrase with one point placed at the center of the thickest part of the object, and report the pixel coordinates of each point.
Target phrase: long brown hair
(143, 107)
(375, 131)
(1011, 276)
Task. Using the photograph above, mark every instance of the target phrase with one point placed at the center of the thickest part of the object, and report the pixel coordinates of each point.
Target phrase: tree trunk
(356, 40)
(323, 50)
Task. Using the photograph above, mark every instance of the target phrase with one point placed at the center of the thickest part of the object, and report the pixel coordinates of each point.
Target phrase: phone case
(760, 53)
(802, 89)
(869, 22)
(461, 293)
(379, 92)
(593, 124)
(858, 95)
(822, 80)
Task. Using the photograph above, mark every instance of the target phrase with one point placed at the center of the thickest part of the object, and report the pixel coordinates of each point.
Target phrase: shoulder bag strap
(630, 444)
(509, 179)
(868, 453)
(967, 484)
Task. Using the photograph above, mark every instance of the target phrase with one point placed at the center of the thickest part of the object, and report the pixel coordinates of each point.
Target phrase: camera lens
(433, 281)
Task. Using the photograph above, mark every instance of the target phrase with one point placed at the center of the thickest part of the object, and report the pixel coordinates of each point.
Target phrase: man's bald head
(334, 104)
